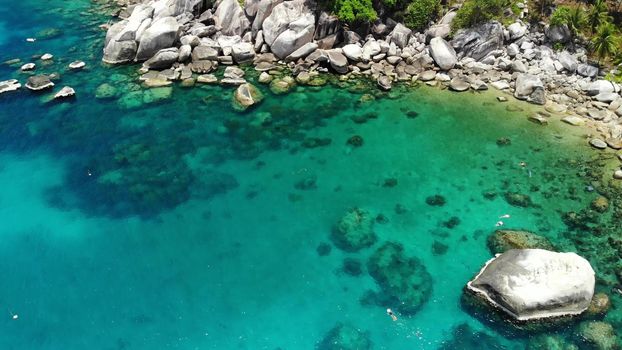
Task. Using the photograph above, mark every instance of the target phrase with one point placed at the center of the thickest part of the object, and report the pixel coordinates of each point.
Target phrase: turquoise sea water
(183, 224)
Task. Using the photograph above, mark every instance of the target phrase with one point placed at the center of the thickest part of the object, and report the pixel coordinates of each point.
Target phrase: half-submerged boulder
(532, 284)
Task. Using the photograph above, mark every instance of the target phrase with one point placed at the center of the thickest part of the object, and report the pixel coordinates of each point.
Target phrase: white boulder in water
(531, 284)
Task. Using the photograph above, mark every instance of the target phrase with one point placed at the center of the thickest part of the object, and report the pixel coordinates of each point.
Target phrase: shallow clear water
(183, 224)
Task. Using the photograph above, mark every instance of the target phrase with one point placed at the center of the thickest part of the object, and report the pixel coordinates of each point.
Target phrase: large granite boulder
(530, 88)
(600, 87)
(443, 54)
(400, 35)
(160, 35)
(264, 9)
(558, 33)
(531, 284)
(139, 20)
(243, 52)
(516, 30)
(162, 59)
(587, 70)
(568, 61)
(247, 95)
(231, 18)
(479, 41)
(290, 25)
(39, 82)
(338, 61)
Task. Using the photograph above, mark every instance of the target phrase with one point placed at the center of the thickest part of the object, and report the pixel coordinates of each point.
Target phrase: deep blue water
(164, 219)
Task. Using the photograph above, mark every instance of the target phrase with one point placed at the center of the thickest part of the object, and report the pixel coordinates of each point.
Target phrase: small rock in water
(503, 141)
(573, 120)
(352, 267)
(65, 92)
(617, 174)
(599, 335)
(31, 40)
(502, 99)
(439, 248)
(75, 65)
(39, 82)
(9, 85)
(435, 200)
(538, 119)
(323, 249)
(28, 67)
(355, 141)
(47, 57)
(598, 143)
(518, 199)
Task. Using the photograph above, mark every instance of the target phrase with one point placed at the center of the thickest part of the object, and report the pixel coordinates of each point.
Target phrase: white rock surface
(531, 284)
(443, 54)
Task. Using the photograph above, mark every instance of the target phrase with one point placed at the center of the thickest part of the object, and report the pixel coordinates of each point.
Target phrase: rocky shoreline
(176, 38)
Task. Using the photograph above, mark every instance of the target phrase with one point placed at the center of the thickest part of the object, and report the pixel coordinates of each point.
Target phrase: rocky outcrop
(290, 25)
(39, 82)
(231, 18)
(9, 85)
(531, 284)
(557, 34)
(479, 41)
(161, 34)
(530, 88)
(443, 53)
(162, 59)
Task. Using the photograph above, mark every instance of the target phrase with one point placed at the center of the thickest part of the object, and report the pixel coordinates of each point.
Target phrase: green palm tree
(576, 21)
(605, 41)
(597, 14)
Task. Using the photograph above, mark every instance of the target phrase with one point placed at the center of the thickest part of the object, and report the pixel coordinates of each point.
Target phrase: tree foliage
(573, 17)
(354, 11)
(605, 41)
(597, 14)
(474, 12)
(420, 12)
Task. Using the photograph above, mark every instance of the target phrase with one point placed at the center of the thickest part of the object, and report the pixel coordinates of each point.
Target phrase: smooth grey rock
(338, 61)
(607, 97)
(243, 52)
(427, 75)
(353, 52)
(516, 30)
(27, 67)
(371, 48)
(526, 86)
(617, 174)
(568, 61)
(558, 34)
(479, 41)
(437, 31)
(233, 72)
(400, 35)
(164, 58)
(65, 92)
(573, 120)
(206, 31)
(384, 82)
(302, 52)
(290, 25)
(185, 51)
(598, 143)
(47, 57)
(247, 95)
(587, 70)
(500, 84)
(207, 79)
(519, 66)
(459, 84)
(202, 52)
(231, 18)
(117, 52)
(601, 86)
(443, 54)
(531, 284)
(513, 50)
(39, 82)
(75, 65)
(160, 35)
(264, 9)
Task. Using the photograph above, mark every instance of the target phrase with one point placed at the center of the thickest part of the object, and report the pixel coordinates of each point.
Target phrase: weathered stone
(207, 79)
(384, 82)
(161, 34)
(9, 85)
(530, 284)
(503, 240)
(442, 53)
(338, 61)
(164, 58)
(230, 17)
(290, 25)
(243, 52)
(65, 92)
(247, 95)
(39, 82)
(459, 84)
(573, 120)
(598, 143)
(75, 65)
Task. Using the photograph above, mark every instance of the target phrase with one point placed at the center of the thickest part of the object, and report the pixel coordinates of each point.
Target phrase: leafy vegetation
(420, 12)
(606, 40)
(474, 12)
(573, 17)
(355, 11)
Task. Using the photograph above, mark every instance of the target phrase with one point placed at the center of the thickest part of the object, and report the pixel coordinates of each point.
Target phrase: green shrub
(560, 16)
(355, 11)
(474, 12)
(420, 12)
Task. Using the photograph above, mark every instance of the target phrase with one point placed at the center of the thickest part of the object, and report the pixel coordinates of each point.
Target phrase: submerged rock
(247, 95)
(354, 231)
(599, 335)
(465, 337)
(518, 199)
(531, 284)
(105, 91)
(345, 337)
(405, 283)
(503, 240)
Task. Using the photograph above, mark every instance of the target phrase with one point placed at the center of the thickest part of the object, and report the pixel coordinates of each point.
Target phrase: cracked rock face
(531, 284)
